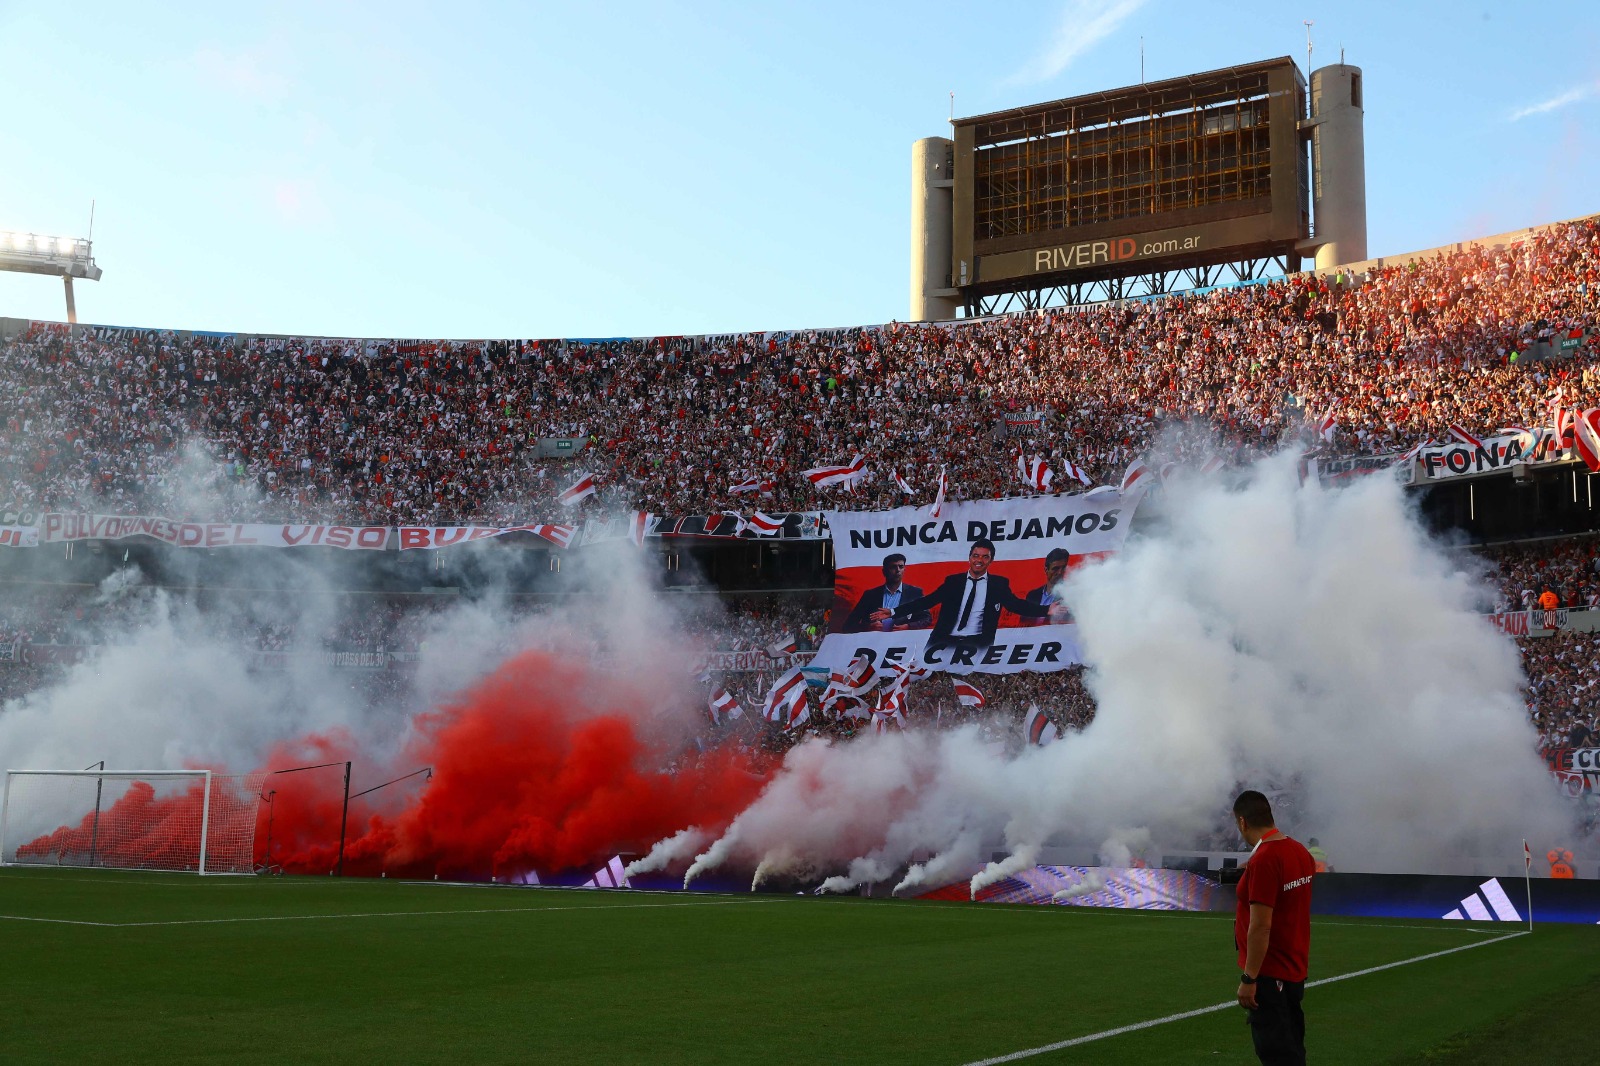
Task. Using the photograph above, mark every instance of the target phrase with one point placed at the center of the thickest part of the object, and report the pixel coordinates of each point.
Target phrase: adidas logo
(1499, 903)
(609, 876)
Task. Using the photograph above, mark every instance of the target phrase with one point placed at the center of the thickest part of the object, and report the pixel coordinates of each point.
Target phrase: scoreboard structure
(1182, 183)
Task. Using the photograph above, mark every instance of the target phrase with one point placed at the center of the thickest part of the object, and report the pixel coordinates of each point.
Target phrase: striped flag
(579, 491)
(722, 705)
(799, 711)
(938, 499)
(903, 485)
(1076, 473)
(765, 524)
(1461, 435)
(751, 484)
(1137, 474)
(1411, 455)
(1327, 425)
(638, 525)
(1035, 473)
(785, 692)
(1587, 439)
(1212, 465)
(782, 646)
(967, 693)
(1037, 728)
(847, 475)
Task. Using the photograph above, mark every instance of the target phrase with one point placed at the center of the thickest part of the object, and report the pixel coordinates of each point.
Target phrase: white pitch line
(1059, 1045)
(388, 914)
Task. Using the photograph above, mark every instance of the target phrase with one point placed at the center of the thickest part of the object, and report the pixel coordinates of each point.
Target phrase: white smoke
(1268, 634)
(676, 848)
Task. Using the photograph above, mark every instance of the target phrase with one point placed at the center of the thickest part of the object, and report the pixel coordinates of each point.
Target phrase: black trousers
(1278, 1025)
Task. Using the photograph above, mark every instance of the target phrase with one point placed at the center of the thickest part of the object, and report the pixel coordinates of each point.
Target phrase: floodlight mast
(63, 257)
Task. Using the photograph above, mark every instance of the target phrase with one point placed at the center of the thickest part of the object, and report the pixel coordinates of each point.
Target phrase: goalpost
(192, 821)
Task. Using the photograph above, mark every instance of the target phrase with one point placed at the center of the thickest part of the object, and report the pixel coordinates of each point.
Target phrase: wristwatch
(1246, 979)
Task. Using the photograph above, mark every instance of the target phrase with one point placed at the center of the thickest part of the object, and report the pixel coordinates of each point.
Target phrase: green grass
(361, 971)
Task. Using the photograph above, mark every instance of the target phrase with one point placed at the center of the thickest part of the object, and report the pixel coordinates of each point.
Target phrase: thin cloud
(1082, 25)
(1572, 96)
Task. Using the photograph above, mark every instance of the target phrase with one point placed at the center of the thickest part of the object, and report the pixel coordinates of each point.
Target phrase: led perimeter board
(1170, 175)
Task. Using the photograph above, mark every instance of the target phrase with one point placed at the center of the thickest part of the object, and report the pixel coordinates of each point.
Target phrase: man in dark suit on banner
(970, 604)
(1056, 561)
(886, 597)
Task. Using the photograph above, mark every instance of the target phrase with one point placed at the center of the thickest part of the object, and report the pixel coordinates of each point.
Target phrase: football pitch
(152, 968)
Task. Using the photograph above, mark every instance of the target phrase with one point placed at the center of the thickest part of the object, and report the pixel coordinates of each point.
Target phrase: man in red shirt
(1272, 930)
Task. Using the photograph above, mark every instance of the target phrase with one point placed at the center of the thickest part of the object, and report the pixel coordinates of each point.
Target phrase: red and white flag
(1035, 473)
(847, 475)
(740, 525)
(580, 490)
(1137, 475)
(1328, 424)
(938, 499)
(752, 484)
(1527, 857)
(638, 526)
(1212, 465)
(799, 712)
(765, 524)
(784, 694)
(1587, 439)
(967, 693)
(1075, 472)
(1415, 451)
(1461, 435)
(1037, 728)
(782, 646)
(722, 705)
(903, 485)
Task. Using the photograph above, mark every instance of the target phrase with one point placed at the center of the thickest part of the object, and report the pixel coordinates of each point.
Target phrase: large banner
(906, 559)
(1454, 459)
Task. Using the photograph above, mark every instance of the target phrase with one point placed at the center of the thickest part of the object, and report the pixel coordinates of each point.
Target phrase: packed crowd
(448, 432)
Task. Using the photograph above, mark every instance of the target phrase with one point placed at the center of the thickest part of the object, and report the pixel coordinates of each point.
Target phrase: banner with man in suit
(975, 590)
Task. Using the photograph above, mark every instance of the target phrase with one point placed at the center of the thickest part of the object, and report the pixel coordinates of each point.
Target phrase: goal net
(189, 820)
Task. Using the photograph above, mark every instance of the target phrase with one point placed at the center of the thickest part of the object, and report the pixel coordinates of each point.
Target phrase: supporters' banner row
(1444, 461)
(1530, 623)
(744, 662)
(63, 527)
(917, 566)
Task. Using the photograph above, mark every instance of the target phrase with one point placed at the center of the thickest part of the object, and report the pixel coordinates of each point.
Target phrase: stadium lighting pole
(62, 257)
(94, 833)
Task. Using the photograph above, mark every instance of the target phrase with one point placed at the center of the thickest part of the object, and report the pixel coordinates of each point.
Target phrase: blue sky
(486, 170)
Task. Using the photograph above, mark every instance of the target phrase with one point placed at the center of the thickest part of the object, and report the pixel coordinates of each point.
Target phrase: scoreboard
(1170, 175)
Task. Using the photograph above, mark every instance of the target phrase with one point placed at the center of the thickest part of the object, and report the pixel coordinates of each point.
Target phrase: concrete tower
(932, 187)
(1338, 166)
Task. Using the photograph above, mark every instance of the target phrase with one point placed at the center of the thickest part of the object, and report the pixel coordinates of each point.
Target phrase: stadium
(875, 693)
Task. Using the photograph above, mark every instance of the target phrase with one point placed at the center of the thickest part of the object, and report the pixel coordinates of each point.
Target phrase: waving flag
(1587, 439)
(1037, 728)
(799, 712)
(765, 524)
(1461, 435)
(1327, 425)
(903, 485)
(1212, 465)
(580, 490)
(1035, 473)
(1411, 455)
(782, 646)
(968, 694)
(1137, 475)
(722, 705)
(1076, 473)
(752, 484)
(638, 526)
(788, 690)
(938, 499)
(847, 475)
(740, 525)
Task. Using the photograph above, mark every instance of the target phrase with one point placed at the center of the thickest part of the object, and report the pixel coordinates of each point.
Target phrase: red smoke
(539, 767)
(137, 829)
